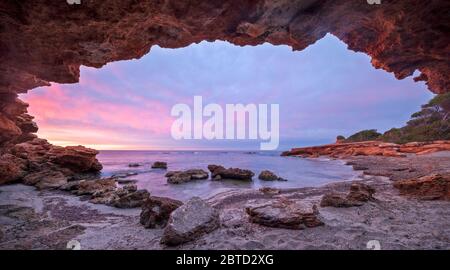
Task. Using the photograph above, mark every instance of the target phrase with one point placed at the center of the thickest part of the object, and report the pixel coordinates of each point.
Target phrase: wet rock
(124, 174)
(190, 221)
(132, 165)
(284, 213)
(159, 165)
(156, 211)
(429, 187)
(220, 173)
(178, 177)
(267, 175)
(358, 195)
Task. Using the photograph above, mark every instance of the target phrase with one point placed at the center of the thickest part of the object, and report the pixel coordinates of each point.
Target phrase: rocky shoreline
(48, 219)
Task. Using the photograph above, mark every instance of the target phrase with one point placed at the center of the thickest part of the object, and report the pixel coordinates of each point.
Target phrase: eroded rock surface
(267, 175)
(156, 211)
(221, 173)
(190, 221)
(178, 177)
(370, 148)
(430, 187)
(159, 165)
(284, 213)
(37, 162)
(358, 195)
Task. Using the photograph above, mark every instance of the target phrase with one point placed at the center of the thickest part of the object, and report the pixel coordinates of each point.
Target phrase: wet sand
(31, 219)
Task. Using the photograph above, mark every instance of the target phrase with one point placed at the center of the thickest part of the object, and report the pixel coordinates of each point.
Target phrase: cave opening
(324, 91)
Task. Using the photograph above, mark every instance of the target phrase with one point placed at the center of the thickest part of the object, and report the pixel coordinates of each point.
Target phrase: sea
(299, 172)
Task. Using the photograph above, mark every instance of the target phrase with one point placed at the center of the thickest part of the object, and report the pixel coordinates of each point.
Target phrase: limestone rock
(46, 179)
(156, 211)
(358, 195)
(267, 175)
(284, 213)
(89, 187)
(369, 148)
(12, 168)
(178, 177)
(190, 221)
(429, 187)
(220, 173)
(78, 158)
(159, 165)
(131, 199)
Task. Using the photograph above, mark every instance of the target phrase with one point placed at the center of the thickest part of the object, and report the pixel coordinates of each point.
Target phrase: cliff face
(42, 43)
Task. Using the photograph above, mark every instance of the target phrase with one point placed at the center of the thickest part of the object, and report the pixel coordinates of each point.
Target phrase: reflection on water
(299, 172)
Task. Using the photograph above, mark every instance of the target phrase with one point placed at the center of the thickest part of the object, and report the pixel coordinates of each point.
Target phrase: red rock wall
(47, 41)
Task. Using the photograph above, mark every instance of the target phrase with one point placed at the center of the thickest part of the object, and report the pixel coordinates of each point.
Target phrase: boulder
(132, 165)
(219, 173)
(267, 175)
(358, 195)
(338, 200)
(361, 193)
(429, 187)
(77, 158)
(178, 177)
(190, 221)
(159, 165)
(46, 179)
(156, 211)
(284, 213)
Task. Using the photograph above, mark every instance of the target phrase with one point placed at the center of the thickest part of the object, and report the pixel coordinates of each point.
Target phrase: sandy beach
(32, 219)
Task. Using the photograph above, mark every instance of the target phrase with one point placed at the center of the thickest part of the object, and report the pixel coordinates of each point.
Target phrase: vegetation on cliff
(431, 123)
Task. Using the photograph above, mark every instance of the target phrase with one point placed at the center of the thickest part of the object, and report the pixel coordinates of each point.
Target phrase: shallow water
(299, 172)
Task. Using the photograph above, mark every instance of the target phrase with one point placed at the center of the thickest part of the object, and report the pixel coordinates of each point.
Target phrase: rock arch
(42, 43)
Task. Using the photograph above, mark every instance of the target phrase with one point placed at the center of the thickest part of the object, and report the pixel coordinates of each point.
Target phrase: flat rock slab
(429, 187)
(178, 177)
(221, 173)
(190, 221)
(358, 195)
(284, 213)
